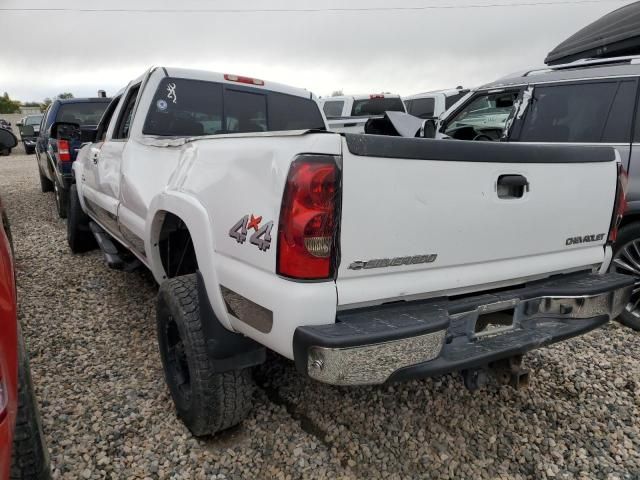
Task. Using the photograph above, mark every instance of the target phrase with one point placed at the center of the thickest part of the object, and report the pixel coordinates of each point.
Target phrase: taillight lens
(63, 151)
(620, 205)
(308, 226)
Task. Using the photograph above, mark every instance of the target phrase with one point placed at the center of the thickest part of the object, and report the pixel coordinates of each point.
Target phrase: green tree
(65, 95)
(45, 103)
(337, 93)
(7, 105)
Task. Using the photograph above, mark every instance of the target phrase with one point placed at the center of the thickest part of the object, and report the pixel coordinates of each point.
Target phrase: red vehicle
(23, 454)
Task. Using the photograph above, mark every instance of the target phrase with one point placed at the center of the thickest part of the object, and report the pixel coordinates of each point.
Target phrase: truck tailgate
(425, 216)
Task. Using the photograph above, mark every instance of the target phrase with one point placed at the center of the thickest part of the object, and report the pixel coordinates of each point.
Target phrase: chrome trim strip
(246, 311)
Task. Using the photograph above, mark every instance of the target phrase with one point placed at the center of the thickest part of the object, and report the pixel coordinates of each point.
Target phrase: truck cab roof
(234, 79)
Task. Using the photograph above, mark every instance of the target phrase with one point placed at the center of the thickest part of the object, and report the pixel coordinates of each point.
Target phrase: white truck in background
(434, 103)
(349, 113)
(365, 259)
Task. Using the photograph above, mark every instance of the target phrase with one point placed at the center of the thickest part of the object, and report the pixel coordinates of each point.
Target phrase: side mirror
(428, 129)
(64, 130)
(7, 139)
(19, 124)
(27, 131)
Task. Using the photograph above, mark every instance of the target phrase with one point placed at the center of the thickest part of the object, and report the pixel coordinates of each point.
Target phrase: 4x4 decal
(261, 236)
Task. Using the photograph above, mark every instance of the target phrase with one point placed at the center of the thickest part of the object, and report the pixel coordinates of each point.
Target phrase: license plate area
(494, 323)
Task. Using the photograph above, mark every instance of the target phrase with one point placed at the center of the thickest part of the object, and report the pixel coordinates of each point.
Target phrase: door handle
(512, 186)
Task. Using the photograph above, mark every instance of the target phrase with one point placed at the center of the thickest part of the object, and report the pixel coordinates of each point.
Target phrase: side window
(333, 108)
(103, 126)
(484, 113)
(618, 126)
(421, 107)
(245, 111)
(123, 126)
(568, 113)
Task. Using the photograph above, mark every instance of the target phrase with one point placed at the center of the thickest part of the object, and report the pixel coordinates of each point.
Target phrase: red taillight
(309, 219)
(620, 205)
(376, 95)
(63, 151)
(240, 79)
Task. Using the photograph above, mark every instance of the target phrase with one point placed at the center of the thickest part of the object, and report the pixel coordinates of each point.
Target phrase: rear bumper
(417, 339)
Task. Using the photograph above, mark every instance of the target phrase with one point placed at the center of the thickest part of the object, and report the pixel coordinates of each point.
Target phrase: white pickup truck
(363, 258)
(350, 113)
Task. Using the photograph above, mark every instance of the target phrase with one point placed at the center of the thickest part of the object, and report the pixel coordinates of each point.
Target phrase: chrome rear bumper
(417, 339)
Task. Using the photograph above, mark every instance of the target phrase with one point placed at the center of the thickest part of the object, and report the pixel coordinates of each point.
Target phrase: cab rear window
(183, 107)
(376, 106)
(82, 113)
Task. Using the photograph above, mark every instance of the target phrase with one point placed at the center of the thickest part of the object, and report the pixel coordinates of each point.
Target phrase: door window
(486, 113)
(583, 113)
(106, 119)
(123, 126)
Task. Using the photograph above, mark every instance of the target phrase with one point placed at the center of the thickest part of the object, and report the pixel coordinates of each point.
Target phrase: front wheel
(626, 259)
(207, 401)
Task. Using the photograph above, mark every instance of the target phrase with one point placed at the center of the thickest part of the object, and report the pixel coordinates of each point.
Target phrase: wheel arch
(172, 206)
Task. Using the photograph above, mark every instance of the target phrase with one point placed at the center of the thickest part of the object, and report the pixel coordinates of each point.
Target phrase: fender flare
(197, 220)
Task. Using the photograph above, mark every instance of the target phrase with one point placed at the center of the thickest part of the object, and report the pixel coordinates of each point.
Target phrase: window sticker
(171, 92)
(161, 104)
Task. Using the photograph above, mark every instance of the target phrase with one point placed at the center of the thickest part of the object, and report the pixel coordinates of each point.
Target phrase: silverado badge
(261, 236)
(393, 262)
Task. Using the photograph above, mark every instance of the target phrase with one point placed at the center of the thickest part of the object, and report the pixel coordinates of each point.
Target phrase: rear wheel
(5, 152)
(626, 259)
(206, 401)
(62, 199)
(46, 185)
(30, 459)
(29, 150)
(79, 235)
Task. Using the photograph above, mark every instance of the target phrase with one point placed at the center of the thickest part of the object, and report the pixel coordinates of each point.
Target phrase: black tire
(30, 458)
(627, 235)
(62, 199)
(206, 401)
(79, 235)
(46, 185)
(29, 150)
(5, 152)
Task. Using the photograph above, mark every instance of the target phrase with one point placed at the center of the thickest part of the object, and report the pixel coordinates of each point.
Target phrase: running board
(112, 255)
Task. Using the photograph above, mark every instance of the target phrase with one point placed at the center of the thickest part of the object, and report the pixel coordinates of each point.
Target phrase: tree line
(8, 105)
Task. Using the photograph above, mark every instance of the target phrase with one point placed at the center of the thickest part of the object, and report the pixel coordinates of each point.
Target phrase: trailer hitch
(508, 371)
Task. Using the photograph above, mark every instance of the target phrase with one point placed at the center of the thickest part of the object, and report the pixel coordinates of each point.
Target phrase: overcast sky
(402, 51)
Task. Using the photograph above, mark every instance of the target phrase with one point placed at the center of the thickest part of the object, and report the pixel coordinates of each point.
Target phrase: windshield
(85, 113)
(33, 120)
(489, 111)
(376, 106)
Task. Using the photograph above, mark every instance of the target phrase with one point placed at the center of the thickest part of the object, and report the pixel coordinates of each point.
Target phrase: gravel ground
(107, 412)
